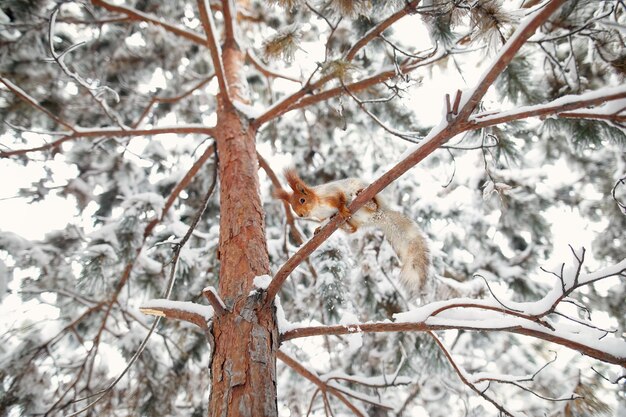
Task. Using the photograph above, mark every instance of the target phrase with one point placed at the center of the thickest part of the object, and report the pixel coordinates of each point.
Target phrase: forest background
(160, 130)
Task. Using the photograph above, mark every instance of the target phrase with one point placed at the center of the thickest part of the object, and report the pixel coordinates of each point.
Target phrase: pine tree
(184, 285)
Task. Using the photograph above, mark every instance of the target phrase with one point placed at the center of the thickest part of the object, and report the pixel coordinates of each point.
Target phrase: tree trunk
(243, 369)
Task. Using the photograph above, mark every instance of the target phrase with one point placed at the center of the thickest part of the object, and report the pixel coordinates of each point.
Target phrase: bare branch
(622, 206)
(111, 132)
(462, 375)
(136, 15)
(299, 368)
(97, 93)
(206, 17)
(27, 98)
(267, 71)
(304, 98)
(229, 9)
(171, 100)
(380, 28)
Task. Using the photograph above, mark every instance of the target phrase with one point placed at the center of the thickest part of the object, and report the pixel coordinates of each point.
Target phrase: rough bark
(243, 369)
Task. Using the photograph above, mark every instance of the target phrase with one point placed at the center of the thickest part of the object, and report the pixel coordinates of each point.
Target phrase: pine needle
(283, 45)
(350, 8)
(339, 69)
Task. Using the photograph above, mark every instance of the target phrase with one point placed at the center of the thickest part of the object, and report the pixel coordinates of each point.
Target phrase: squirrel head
(303, 198)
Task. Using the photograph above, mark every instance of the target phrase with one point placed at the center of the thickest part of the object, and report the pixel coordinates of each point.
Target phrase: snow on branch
(535, 319)
(506, 54)
(194, 313)
(210, 293)
(612, 98)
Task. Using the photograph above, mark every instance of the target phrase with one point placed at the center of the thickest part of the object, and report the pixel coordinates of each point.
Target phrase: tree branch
(136, 15)
(206, 17)
(182, 184)
(380, 28)
(299, 368)
(30, 100)
(179, 310)
(304, 97)
(519, 328)
(287, 103)
(230, 14)
(437, 137)
(111, 132)
(559, 107)
(506, 55)
(267, 71)
(462, 376)
(171, 100)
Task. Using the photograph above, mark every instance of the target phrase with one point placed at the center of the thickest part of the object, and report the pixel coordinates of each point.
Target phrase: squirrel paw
(349, 227)
(371, 205)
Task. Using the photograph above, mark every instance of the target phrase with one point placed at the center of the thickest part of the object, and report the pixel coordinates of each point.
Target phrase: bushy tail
(409, 243)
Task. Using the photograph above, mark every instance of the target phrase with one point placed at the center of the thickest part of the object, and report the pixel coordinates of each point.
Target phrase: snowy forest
(183, 285)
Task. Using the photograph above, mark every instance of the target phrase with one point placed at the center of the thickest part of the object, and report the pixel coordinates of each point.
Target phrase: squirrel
(324, 201)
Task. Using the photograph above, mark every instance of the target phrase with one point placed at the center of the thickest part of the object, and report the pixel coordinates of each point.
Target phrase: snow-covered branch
(506, 54)
(180, 310)
(529, 318)
(611, 98)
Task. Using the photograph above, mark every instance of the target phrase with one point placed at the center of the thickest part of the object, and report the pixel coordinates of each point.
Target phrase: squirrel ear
(295, 182)
(282, 194)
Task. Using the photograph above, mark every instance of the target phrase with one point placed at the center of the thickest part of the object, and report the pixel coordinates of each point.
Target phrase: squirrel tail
(411, 246)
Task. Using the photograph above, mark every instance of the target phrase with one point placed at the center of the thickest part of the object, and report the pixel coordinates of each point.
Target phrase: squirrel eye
(302, 201)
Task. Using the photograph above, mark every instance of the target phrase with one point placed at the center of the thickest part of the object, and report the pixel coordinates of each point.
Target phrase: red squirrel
(323, 201)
